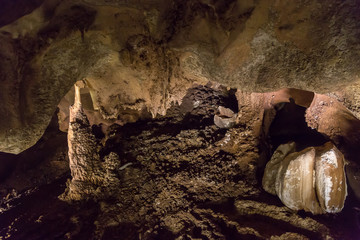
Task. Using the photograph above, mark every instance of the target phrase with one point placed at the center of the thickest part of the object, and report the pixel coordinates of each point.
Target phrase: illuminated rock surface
(84, 159)
(225, 119)
(143, 55)
(174, 177)
(312, 179)
(183, 105)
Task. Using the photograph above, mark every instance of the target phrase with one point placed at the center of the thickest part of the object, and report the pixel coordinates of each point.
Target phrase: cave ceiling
(138, 57)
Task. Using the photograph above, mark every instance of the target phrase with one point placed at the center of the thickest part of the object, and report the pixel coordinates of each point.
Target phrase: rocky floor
(180, 177)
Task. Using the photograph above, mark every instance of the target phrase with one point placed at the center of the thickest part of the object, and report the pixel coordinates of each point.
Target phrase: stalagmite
(83, 153)
(92, 177)
(312, 179)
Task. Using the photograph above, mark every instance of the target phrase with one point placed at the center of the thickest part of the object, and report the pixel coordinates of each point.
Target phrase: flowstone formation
(312, 179)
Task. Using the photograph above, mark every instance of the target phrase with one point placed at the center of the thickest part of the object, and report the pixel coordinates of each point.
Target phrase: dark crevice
(289, 125)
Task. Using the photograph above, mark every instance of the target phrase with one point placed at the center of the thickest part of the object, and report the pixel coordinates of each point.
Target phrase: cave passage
(289, 125)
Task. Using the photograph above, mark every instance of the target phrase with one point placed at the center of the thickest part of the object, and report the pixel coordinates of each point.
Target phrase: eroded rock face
(143, 55)
(272, 167)
(353, 176)
(331, 184)
(312, 179)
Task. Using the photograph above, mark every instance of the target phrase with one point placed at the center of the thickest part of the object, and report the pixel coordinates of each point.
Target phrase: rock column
(85, 164)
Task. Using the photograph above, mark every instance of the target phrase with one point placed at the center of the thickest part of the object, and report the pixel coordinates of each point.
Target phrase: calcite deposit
(173, 177)
(84, 159)
(91, 178)
(312, 179)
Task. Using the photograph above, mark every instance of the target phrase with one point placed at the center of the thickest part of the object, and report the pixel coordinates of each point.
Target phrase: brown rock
(84, 159)
(91, 177)
(353, 176)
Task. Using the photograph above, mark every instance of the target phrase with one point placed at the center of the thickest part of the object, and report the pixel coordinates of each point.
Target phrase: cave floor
(39, 214)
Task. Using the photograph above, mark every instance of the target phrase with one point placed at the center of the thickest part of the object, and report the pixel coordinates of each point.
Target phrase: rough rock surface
(91, 177)
(143, 55)
(41, 164)
(332, 118)
(329, 116)
(226, 118)
(84, 158)
(272, 167)
(175, 177)
(312, 179)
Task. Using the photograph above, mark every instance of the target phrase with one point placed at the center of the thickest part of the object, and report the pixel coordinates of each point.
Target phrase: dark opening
(289, 125)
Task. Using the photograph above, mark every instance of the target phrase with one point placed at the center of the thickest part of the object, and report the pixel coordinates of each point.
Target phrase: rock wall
(143, 55)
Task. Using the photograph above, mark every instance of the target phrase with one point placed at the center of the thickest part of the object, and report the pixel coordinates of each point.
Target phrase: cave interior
(199, 119)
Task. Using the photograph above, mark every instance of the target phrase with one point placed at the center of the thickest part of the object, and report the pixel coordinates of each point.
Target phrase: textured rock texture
(330, 117)
(91, 177)
(39, 165)
(184, 82)
(226, 118)
(84, 159)
(177, 176)
(140, 56)
(312, 179)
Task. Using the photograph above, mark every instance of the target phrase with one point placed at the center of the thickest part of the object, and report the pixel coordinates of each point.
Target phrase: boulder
(226, 118)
